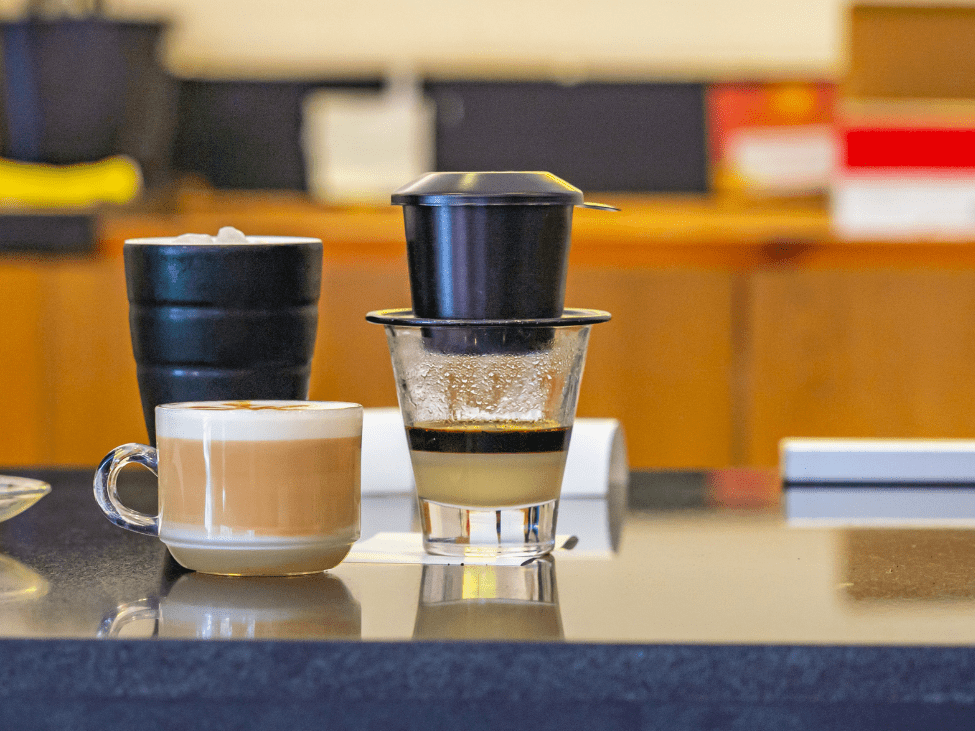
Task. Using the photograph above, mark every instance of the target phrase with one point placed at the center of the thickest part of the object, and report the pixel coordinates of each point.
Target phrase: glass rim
(404, 317)
(13, 486)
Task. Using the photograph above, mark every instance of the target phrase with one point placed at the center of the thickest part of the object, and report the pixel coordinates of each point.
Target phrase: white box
(920, 204)
(878, 461)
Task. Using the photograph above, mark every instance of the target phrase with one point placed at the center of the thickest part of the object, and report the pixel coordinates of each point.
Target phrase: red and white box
(771, 139)
(912, 180)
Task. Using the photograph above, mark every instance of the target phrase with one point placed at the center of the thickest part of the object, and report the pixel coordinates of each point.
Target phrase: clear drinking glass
(488, 408)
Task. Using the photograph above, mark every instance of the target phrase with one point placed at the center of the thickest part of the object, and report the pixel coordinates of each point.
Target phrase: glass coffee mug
(258, 488)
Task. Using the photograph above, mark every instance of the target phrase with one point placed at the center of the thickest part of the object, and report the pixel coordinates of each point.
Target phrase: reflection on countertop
(202, 606)
(485, 602)
(18, 583)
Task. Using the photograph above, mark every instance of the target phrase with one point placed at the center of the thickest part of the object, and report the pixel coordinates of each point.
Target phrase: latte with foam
(259, 487)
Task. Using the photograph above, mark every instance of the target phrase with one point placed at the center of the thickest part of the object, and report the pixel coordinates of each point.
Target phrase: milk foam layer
(250, 421)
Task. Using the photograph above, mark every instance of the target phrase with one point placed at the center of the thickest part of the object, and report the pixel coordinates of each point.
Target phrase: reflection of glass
(487, 602)
(206, 606)
(19, 493)
(19, 583)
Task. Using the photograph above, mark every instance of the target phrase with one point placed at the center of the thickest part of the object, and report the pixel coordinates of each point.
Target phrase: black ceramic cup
(214, 322)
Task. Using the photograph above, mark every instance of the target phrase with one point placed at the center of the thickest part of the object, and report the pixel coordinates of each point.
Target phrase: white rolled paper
(596, 464)
(386, 468)
(594, 488)
(597, 460)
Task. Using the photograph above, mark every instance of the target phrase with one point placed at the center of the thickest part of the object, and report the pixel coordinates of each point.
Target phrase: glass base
(452, 530)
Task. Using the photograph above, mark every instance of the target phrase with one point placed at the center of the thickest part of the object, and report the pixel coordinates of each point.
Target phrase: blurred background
(795, 253)
(302, 38)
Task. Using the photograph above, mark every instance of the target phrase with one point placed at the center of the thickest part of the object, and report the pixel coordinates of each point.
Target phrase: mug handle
(128, 613)
(106, 492)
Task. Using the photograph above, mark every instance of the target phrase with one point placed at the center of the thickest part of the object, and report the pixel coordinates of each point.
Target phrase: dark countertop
(713, 614)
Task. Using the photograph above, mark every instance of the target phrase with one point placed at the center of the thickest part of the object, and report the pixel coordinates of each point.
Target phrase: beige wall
(669, 38)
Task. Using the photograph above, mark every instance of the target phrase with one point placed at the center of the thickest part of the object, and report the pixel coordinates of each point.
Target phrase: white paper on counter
(596, 522)
(596, 465)
(388, 514)
(407, 548)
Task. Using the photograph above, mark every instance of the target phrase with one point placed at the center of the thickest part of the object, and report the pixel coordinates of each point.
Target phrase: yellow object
(793, 102)
(115, 179)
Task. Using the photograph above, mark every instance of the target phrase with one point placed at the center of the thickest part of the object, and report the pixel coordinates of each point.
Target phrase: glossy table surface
(688, 570)
(711, 599)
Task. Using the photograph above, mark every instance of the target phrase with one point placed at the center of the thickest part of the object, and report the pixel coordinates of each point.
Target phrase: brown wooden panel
(659, 232)
(732, 325)
(661, 365)
(922, 51)
(860, 354)
(94, 395)
(22, 357)
(351, 359)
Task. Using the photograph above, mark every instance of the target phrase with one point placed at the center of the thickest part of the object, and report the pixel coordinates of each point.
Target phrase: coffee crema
(489, 437)
(258, 420)
(249, 406)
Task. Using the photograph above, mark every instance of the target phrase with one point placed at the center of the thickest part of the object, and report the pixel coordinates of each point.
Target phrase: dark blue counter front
(88, 684)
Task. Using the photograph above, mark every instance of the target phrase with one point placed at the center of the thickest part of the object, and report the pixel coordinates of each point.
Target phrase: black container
(222, 322)
(489, 245)
(79, 90)
(636, 136)
(488, 262)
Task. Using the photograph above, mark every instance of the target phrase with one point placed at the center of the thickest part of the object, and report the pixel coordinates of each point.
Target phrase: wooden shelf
(649, 231)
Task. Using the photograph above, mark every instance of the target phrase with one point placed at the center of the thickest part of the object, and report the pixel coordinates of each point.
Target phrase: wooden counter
(732, 326)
